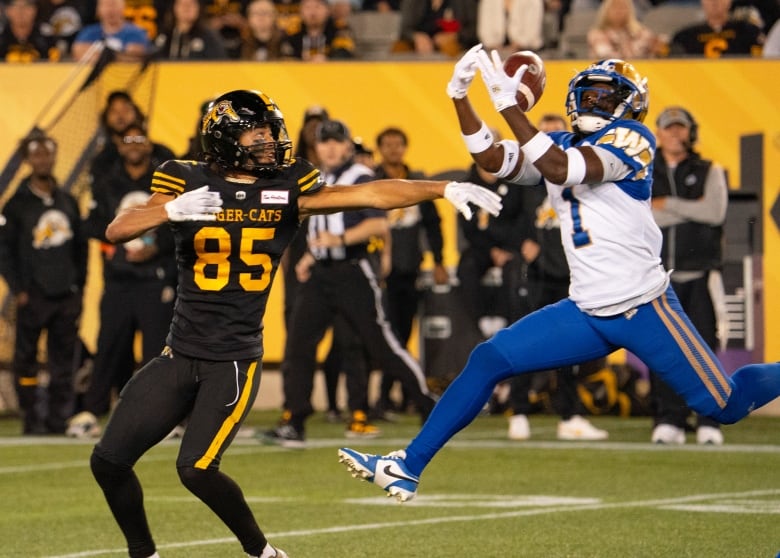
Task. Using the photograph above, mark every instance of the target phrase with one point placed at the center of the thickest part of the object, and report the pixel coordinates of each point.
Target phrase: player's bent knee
(107, 473)
(487, 356)
(194, 479)
(730, 415)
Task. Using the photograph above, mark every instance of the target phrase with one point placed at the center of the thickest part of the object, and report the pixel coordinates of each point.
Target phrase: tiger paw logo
(220, 111)
(52, 230)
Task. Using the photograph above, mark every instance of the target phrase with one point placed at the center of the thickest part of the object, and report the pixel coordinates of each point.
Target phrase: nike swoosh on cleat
(388, 471)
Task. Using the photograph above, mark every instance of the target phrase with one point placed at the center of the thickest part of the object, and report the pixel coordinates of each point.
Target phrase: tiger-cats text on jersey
(226, 267)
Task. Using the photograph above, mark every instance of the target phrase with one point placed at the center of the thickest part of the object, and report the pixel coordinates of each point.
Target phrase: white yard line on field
(664, 503)
(247, 446)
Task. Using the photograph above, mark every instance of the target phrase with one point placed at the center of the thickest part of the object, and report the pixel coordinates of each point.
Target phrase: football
(532, 85)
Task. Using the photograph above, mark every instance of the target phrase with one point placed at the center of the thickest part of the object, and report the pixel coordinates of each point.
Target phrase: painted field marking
(664, 503)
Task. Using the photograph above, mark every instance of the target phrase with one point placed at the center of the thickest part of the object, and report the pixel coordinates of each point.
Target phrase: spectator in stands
(227, 18)
(514, 24)
(407, 227)
(381, 5)
(21, 39)
(263, 40)
(139, 279)
(341, 10)
(762, 13)
(437, 26)
(185, 35)
(128, 41)
(288, 15)
(690, 197)
(772, 45)
(44, 261)
(146, 14)
(617, 33)
(720, 34)
(320, 37)
(62, 20)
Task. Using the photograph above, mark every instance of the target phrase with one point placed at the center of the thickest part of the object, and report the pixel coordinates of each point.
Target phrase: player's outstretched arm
(478, 137)
(573, 166)
(393, 193)
(196, 205)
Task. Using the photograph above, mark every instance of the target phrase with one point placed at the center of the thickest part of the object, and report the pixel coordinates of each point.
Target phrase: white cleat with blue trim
(386, 471)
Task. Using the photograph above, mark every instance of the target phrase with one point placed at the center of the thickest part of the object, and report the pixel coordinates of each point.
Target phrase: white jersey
(611, 240)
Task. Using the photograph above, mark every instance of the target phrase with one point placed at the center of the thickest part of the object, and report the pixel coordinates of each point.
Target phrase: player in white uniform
(599, 180)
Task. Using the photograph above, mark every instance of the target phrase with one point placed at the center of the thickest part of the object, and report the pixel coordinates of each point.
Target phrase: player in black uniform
(232, 216)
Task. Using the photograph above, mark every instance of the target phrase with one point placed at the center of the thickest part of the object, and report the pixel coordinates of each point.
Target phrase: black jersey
(736, 37)
(226, 267)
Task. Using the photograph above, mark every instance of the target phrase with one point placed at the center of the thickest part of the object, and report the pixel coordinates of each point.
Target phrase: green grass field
(482, 496)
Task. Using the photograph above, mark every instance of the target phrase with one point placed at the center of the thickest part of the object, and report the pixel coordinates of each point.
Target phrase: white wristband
(577, 168)
(480, 140)
(511, 155)
(537, 146)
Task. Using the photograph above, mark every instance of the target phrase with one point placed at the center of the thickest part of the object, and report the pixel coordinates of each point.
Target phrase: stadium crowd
(319, 30)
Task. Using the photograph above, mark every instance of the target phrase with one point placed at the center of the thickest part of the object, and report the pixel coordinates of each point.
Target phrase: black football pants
(126, 307)
(215, 397)
(350, 289)
(60, 318)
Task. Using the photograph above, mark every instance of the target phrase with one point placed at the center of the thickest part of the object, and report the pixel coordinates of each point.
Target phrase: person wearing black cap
(337, 279)
(690, 195)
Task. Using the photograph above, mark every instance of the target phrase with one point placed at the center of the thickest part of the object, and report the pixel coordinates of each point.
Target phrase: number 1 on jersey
(580, 237)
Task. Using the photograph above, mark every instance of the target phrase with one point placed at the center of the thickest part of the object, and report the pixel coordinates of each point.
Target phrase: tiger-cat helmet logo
(217, 113)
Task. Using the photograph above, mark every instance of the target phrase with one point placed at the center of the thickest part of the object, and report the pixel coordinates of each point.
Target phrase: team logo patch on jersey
(51, 230)
(278, 197)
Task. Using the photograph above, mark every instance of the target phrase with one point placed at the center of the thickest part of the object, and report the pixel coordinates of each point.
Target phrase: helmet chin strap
(589, 123)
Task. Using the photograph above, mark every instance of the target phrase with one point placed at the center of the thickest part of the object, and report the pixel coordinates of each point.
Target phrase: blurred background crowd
(319, 30)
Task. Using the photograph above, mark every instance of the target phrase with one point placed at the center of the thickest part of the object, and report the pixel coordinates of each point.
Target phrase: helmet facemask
(592, 108)
(250, 158)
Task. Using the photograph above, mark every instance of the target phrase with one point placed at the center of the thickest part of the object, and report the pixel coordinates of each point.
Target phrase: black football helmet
(233, 113)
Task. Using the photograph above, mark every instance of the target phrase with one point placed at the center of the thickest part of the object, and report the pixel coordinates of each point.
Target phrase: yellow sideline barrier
(729, 98)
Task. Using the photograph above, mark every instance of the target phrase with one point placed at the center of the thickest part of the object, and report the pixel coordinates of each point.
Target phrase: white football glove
(463, 73)
(197, 205)
(501, 87)
(460, 194)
